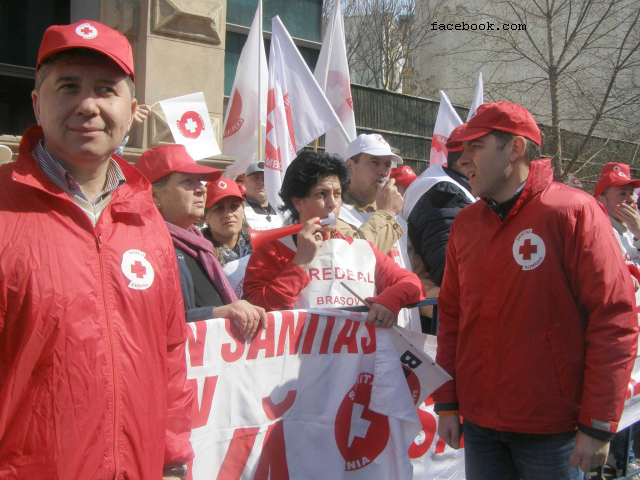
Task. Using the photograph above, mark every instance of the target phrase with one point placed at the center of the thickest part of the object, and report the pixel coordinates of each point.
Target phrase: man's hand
(589, 452)
(449, 430)
(141, 113)
(389, 199)
(247, 316)
(309, 242)
(629, 215)
(381, 316)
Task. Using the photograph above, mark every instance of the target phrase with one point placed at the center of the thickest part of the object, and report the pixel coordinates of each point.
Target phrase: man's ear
(134, 105)
(36, 105)
(518, 148)
(350, 163)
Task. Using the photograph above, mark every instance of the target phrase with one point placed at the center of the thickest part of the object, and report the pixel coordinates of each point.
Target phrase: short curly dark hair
(305, 171)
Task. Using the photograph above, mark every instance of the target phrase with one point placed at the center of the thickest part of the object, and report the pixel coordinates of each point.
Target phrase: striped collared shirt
(64, 180)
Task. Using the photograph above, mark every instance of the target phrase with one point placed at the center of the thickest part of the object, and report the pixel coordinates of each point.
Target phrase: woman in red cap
(180, 196)
(227, 229)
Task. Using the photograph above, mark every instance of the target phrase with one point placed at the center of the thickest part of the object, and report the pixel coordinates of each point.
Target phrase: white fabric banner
(297, 110)
(297, 401)
(247, 109)
(332, 74)
(478, 97)
(190, 125)
(446, 121)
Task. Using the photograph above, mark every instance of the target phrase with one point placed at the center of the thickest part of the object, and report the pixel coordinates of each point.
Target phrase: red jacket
(536, 313)
(273, 282)
(92, 372)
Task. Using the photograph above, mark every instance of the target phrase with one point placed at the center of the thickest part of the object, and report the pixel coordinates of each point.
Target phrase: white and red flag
(446, 121)
(332, 74)
(189, 122)
(247, 109)
(478, 97)
(297, 110)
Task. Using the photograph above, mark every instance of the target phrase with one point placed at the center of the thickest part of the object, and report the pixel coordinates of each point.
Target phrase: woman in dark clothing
(180, 196)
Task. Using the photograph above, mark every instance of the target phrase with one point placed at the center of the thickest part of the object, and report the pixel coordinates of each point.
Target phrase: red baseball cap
(453, 143)
(404, 175)
(614, 174)
(219, 189)
(158, 162)
(87, 34)
(504, 116)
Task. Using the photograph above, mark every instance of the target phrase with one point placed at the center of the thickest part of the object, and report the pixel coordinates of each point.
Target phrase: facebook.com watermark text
(484, 26)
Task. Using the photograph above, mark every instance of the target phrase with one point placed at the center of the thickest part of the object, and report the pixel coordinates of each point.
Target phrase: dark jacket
(431, 218)
(192, 312)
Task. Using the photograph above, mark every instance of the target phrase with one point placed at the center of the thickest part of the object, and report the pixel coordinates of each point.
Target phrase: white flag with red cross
(332, 74)
(446, 121)
(247, 109)
(478, 97)
(189, 122)
(297, 110)
(574, 181)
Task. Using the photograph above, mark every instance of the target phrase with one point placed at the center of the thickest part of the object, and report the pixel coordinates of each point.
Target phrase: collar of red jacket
(27, 170)
(539, 178)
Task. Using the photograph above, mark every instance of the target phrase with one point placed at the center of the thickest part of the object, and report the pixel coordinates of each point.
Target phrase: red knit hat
(158, 162)
(504, 116)
(87, 34)
(614, 174)
(219, 189)
(403, 176)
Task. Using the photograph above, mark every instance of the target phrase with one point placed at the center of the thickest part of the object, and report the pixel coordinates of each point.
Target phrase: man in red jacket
(536, 313)
(92, 330)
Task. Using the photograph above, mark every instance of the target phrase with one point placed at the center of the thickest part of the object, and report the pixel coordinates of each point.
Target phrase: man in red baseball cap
(536, 313)
(404, 176)
(91, 317)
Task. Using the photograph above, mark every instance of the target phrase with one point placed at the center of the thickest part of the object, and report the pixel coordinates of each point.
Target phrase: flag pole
(260, 53)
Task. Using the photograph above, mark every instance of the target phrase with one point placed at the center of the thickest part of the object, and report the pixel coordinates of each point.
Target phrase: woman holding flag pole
(307, 270)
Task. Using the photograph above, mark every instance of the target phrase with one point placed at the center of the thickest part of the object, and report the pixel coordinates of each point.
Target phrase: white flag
(478, 97)
(446, 121)
(189, 122)
(574, 181)
(247, 109)
(297, 110)
(332, 74)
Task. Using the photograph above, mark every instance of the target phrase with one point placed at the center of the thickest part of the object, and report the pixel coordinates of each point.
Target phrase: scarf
(193, 243)
(242, 249)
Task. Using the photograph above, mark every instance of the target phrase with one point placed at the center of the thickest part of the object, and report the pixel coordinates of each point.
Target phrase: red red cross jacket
(92, 332)
(273, 282)
(536, 314)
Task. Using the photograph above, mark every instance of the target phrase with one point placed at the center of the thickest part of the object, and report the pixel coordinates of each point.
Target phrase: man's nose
(87, 105)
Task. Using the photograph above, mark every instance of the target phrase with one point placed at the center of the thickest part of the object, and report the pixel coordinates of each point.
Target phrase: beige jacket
(382, 229)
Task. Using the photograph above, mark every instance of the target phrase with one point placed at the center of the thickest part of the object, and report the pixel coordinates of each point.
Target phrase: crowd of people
(103, 263)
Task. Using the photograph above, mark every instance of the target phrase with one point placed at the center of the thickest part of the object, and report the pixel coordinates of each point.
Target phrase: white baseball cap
(372, 144)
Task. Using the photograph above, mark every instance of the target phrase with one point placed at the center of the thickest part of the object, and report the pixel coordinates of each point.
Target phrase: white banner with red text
(317, 395)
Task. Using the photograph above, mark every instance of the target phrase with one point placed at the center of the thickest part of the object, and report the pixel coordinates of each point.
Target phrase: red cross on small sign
(527, 249)
(138, 269)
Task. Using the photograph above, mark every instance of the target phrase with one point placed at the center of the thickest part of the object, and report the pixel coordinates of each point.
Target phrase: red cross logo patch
(137, 269)
(222, 185)
(528, 250)
(191, 125)
(86, 30)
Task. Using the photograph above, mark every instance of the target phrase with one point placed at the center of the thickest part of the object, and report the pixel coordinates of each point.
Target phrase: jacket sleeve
(272, 281)
(430, 224)
(382, 230)
(602, 285)
(397, 286)
(448, 324)
(179, 393)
